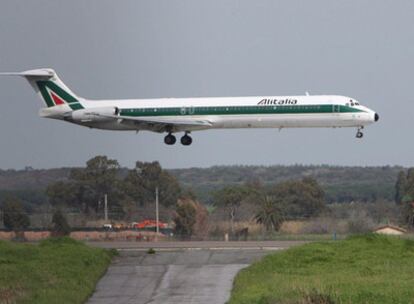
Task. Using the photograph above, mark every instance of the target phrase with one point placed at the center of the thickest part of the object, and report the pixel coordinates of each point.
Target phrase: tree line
(85, 188)
(341, 184)
(294, 199)
(134, 189)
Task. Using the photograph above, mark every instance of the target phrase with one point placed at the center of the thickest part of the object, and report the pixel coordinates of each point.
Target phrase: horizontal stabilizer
(51, 90)
(42, 73)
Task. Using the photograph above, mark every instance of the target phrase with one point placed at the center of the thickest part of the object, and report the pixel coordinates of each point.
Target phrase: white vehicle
(107, 226)
(172, 115)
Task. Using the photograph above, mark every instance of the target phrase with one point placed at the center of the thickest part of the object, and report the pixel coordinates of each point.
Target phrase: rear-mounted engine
(93, 115)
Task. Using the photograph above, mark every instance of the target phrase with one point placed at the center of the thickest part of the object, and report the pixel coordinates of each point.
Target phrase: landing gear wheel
(170, 139)
(359, 133)
(186, 140)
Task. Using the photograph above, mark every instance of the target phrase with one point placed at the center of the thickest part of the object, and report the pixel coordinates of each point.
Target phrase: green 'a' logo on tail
(54, 95)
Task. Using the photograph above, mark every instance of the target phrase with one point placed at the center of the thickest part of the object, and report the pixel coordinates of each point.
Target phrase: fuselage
(231, 112)
(172, 115)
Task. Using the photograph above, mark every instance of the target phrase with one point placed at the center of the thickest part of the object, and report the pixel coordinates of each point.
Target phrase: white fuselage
(230, 112)
(173, 115)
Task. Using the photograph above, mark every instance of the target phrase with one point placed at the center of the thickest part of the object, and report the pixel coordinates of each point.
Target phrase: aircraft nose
(376, 117)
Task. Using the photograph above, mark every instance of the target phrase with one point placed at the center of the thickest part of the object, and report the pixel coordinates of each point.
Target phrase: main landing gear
(186, 140)
(359, 133)
(170, 139)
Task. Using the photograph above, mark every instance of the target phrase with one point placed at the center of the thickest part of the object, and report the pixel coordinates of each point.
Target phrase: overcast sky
(149, 49)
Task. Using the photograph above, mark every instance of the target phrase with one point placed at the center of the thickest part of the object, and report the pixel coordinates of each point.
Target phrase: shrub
(60, 226)
(14, 216)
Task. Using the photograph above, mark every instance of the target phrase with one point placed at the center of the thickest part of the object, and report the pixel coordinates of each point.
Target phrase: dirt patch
(124, 235)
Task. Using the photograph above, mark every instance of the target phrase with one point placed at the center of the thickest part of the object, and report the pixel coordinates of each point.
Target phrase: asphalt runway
(176, 275)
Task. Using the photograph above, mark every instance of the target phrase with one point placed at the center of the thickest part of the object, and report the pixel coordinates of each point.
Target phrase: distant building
(390, 230)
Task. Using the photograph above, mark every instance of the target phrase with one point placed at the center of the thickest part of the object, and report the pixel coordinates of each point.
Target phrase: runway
(193, 245)
(177, 274)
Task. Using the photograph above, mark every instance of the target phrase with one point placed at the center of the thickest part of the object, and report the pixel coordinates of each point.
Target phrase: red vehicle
(149, 224)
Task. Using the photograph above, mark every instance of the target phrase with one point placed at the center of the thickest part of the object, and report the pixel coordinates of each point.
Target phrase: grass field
(361, 269)
(55, 271)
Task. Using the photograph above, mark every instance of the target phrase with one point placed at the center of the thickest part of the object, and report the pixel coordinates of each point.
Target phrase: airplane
(173, 115)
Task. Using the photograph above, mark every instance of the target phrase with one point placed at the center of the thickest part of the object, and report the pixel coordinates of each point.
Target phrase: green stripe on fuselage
(76, 106)
(239, 110)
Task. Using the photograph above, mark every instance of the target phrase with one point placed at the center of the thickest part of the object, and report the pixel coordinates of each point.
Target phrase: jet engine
(93, 114)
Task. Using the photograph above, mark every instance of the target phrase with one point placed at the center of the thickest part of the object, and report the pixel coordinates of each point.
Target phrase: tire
(186, 140)
(170, 139)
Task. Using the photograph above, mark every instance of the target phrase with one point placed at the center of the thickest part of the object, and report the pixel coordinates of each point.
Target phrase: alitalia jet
(173, 115)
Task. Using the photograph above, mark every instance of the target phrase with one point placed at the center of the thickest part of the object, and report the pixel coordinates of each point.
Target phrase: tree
(230, 198)
(400, 187)
(185, 218)
(14, 216)
(60, 226)
(97, 179)
(201, 226)
(87, 186)
(303, 198)
(62, 193)
(270, 213)
(404, 195)
(141, 182)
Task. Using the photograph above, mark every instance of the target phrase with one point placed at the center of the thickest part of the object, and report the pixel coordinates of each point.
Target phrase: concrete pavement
(174, 275)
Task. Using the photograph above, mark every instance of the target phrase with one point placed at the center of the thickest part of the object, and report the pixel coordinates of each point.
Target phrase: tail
(52, 91)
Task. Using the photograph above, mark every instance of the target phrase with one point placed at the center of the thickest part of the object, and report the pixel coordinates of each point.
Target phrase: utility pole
(106, 207)
(156, 211)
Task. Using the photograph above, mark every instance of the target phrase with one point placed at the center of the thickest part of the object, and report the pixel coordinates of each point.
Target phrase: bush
(185, 218)
(14, 216)
(60, 226)
(360, 223)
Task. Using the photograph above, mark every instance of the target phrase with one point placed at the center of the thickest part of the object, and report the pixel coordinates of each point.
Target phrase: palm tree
(270, 213)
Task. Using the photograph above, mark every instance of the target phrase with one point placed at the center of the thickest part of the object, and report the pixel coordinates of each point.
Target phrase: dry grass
(292, 227)
(219, 228)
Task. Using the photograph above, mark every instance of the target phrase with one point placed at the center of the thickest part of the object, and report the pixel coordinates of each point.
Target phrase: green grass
(361, 269)
(59, 270)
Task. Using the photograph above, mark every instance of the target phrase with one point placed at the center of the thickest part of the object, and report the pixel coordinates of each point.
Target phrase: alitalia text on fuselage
(174, 115)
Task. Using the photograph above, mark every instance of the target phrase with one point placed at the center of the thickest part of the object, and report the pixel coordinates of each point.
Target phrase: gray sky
(144, 49)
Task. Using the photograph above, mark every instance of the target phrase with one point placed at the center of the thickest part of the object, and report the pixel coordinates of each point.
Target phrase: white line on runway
(201, 248)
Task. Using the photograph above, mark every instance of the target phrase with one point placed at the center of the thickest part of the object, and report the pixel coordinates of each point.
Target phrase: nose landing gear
(359, 133)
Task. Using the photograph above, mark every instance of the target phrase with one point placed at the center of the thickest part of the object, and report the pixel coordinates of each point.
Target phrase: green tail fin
(50, 88)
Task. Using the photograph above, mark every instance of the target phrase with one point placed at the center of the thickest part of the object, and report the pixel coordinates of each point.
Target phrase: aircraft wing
(162, 124)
